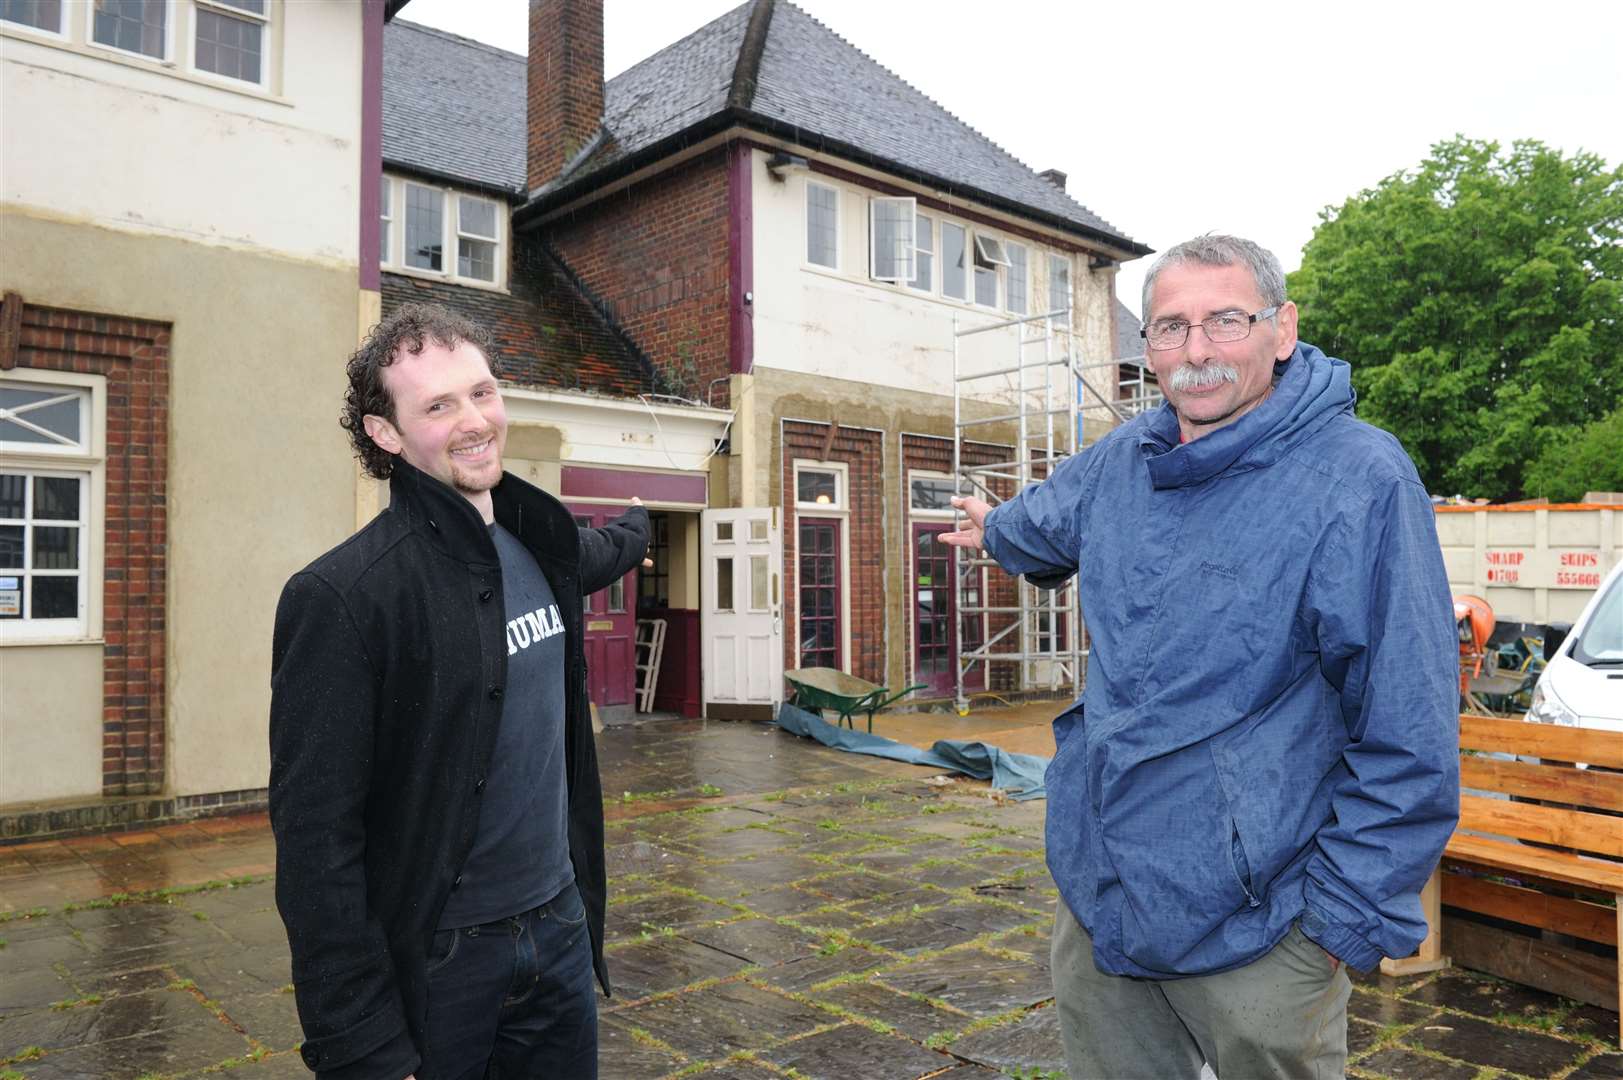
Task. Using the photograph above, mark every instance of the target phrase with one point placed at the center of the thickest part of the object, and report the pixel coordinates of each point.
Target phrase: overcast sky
(1179, 118)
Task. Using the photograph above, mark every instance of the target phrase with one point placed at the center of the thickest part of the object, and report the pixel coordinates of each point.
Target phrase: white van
(1582, 683)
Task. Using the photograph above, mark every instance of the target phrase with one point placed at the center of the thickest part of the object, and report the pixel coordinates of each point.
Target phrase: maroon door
(611, 626)
(935, 614)
(817, 570)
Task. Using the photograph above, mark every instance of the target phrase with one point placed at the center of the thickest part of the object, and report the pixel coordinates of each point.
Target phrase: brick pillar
(564, 84)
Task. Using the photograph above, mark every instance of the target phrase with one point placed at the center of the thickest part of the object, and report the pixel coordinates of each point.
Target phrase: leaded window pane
(924, 258)
(954, 274)
(133, 25)
(425, 228)
(822, 225)
(1017, 278)
(476, 259)
(476, 217)
(229, 46)
(40, 14)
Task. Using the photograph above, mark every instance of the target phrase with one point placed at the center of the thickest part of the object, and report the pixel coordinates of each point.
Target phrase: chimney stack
(564, 84)
(1053, 176)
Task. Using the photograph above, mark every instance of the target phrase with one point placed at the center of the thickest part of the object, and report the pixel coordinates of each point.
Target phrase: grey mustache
(1203, 377)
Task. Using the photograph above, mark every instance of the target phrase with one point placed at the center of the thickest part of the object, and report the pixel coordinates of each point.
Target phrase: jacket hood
(1310, 390)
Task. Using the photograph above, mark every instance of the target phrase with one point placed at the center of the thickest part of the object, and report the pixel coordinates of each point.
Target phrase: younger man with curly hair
(434, 788)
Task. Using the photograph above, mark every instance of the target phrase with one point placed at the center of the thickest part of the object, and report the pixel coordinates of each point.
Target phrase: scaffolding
(1036, 394)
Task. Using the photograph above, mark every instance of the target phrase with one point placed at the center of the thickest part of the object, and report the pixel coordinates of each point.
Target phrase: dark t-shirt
(520, 856)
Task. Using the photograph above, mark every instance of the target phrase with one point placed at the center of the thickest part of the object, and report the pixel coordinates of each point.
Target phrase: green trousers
(1281, 1017)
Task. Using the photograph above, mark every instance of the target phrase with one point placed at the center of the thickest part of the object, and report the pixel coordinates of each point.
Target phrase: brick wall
(563, 83)
(863, 453)
(547, 334)
(656, 255)
(133, 356)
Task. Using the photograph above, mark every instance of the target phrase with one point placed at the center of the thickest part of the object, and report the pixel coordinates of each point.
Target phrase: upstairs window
(43, 15)
(924, 255)
(134, 26)
(476, 238)
(1059, 288)
(989, 255)
(1016, 279)
(892, 244)
(423, 223)
(954, 274)
(822, 226)
(230, 38)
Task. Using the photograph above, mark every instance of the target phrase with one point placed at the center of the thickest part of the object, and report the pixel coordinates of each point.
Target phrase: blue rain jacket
(1269, 728)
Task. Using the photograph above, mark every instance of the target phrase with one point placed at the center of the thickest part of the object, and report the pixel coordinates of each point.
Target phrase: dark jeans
(513, 999)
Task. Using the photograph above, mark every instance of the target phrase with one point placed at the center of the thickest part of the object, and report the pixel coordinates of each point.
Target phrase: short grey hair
(1216, 250)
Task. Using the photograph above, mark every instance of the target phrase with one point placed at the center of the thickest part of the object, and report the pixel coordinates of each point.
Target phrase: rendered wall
(260, 476)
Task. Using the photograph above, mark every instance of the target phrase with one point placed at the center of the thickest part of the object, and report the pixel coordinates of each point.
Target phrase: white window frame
(839, 510)
(267, 29)
(805, 227)
(87, 461)
(460, 234)
(1009, 278)
(394, 226)
(989, 250)
(923, 514)
(168, 57)
(907, 244)
(927, 285)
(59, 34)
(842, 475)
(386, 221)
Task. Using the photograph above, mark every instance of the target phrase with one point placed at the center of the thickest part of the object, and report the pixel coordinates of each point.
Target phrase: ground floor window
(43, 547)
(818, 575)
(654, 585)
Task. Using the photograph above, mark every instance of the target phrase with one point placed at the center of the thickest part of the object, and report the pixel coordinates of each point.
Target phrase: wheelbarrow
(820, 688)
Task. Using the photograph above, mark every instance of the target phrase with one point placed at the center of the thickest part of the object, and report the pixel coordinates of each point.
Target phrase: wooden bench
(1550, 859)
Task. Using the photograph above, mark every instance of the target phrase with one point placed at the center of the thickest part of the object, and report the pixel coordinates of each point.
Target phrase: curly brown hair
(408, 328)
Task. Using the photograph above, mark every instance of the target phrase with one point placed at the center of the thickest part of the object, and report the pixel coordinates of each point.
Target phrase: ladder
(650, 651)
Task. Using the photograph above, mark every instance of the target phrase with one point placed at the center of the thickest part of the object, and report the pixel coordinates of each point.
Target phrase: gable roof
(455, 108)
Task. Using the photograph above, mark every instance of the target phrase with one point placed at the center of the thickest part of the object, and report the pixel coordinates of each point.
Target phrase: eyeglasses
(1224, 326)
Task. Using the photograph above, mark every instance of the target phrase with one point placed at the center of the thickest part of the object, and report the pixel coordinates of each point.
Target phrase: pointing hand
(974, 535)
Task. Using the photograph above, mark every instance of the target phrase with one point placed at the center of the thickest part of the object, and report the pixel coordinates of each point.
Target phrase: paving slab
(719, 1020)
(1399, 1064)
(1495, 1046)
(973, 981)
(1030, 1043)
(854, 1050)
(665, 963)
(1607, 1066)
(914, 1018)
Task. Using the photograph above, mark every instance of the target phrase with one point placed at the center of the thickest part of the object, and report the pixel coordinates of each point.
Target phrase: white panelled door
(741, 588)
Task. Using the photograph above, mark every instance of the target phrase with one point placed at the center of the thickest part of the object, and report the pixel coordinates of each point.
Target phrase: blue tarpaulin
(1020, 775)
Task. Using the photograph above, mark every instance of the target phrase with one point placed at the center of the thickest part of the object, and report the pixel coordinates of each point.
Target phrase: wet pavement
(777, 909)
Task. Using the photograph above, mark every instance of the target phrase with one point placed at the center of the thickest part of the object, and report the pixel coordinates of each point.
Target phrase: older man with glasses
(1262, 770)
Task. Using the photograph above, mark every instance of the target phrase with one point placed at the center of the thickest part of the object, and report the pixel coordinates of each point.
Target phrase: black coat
(386, 680)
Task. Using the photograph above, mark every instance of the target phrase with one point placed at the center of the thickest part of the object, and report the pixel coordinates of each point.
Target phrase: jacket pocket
(1242, 865)
(1171, 840)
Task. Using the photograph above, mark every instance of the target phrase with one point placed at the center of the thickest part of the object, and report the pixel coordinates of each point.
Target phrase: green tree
(1479, 299)
(1591, 460)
